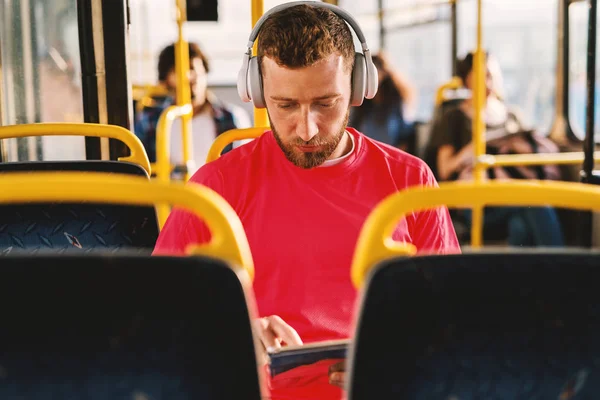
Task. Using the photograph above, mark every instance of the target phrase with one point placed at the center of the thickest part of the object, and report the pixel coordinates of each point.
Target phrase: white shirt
(203, 134)
(329, 163)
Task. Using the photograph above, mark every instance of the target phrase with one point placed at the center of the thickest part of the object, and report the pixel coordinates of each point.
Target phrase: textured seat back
(480, 326)
(76, 227)
(124, 327)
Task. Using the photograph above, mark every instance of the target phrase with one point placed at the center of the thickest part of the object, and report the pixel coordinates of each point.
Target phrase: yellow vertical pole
(182, 68)
(260, 114)
(479, 147)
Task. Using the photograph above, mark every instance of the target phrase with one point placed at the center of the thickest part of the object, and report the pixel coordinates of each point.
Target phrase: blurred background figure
(212, 116)
(452, 149)
(389, 116)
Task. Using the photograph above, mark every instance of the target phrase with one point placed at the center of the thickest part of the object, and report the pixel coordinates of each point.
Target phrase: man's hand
(337, 374)
(274, 332)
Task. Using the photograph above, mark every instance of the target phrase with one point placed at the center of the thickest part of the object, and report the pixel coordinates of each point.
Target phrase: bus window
(578, 24)
(524, 44)
(41, 79)
(417, 41)
(424, 54)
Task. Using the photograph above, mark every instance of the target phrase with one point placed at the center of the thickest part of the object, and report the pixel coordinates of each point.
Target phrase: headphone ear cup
(359, 79)
(372, 78)
(255, 84)
(242, 80)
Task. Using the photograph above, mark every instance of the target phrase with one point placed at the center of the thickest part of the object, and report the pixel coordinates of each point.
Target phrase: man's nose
(307, 127)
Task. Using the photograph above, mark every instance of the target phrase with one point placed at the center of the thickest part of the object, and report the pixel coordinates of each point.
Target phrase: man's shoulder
(398, 160)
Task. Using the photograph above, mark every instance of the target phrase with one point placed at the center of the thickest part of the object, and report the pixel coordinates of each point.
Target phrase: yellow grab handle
(375, 244)
(138, 154)
(145, 94)
(163, 165)
(228, 239)
(454, 83)
(230, 136)
(141, 91)
(163, 139)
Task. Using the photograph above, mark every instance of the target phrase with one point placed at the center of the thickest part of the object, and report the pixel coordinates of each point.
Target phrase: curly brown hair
(300, 36)
(166, 59)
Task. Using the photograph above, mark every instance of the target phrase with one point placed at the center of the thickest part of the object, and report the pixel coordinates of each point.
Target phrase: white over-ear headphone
(364, 73)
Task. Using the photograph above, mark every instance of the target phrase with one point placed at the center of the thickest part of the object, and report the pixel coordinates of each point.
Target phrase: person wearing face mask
(304, 189)
(452, 149)
(211, 115)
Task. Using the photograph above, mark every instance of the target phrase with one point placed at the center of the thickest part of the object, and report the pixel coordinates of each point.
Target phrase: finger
(262, 356)
(337, 367)
(338, 379)
(261, 351)
(266, 335)
(283, 331)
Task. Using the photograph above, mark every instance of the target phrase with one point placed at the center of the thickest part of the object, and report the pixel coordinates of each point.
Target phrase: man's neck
(344, 147)
(334, 161)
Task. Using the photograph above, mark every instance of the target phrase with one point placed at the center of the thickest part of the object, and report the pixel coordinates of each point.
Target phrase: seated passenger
(211, 115)
(452, 144)
(389, 116)
(304, 189)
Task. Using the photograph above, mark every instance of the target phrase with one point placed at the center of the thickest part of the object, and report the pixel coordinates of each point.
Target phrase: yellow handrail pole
(182, 68)
(260, 114)
(375, 243)
(478, 128)
(524, 160)
(138, 154)
(228, 239)
(163, 149)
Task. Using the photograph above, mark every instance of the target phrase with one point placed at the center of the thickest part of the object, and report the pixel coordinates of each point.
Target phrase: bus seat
(126, 137)
(482, 325)
(60, 227)
(125, 327)
(118, 167)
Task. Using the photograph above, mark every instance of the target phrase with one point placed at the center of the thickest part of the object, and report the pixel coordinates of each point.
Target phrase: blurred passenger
(211, 115)
(388, 117)
(452, 145)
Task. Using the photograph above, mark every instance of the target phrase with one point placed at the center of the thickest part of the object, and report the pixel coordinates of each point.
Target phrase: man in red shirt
(304, 189)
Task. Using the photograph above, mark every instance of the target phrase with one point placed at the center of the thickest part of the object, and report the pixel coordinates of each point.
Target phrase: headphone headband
(364, 73)
(335, 9)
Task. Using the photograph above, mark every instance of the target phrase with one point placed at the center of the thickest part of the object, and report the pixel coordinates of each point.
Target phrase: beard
(312, 159)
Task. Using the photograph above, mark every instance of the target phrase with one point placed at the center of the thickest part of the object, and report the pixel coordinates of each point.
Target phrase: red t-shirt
(302, 225)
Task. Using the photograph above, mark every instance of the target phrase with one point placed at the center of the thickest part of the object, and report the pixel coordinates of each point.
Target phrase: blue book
(289, 357)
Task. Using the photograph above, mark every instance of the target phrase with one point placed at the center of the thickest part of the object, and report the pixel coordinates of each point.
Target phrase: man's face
(198, 80)
(308, 108)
